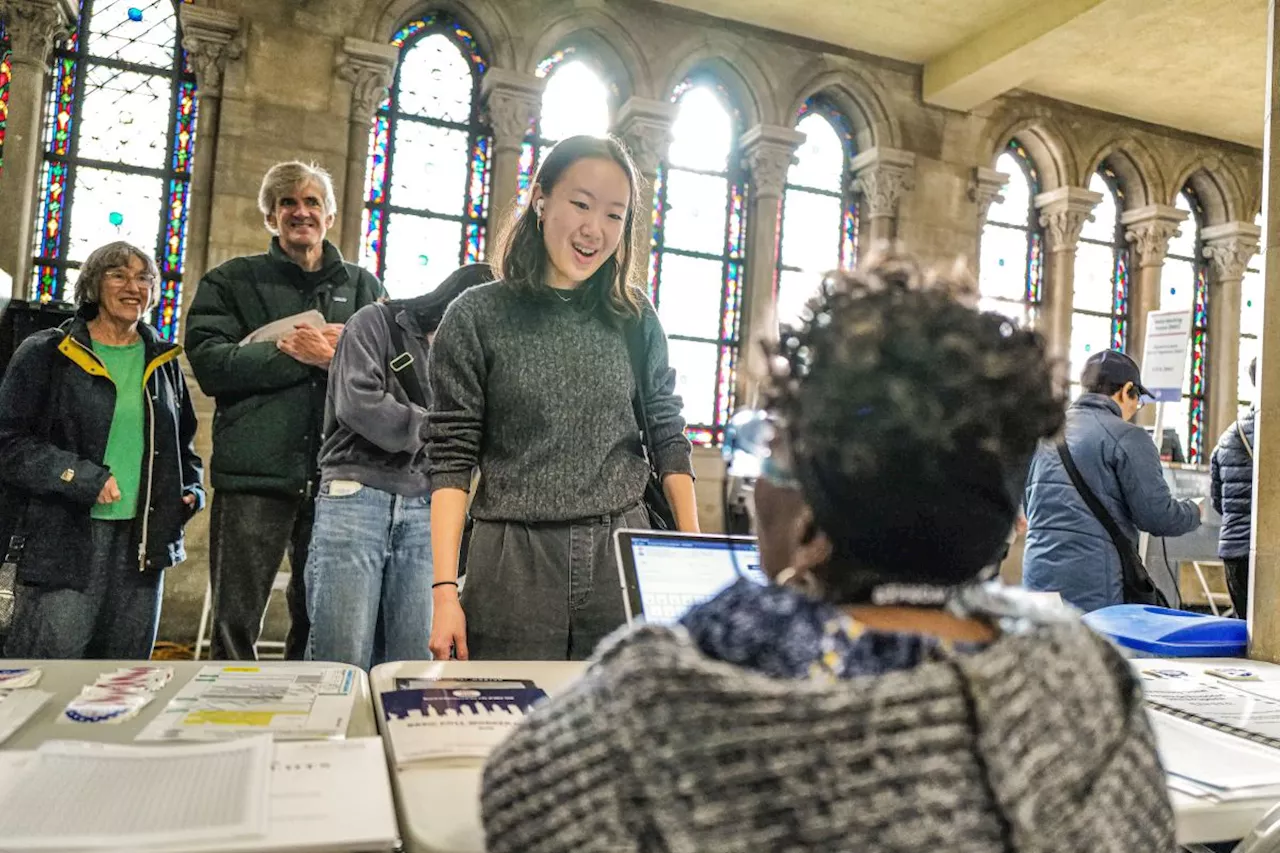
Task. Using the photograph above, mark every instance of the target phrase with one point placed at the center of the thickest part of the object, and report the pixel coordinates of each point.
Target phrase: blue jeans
(369, 578)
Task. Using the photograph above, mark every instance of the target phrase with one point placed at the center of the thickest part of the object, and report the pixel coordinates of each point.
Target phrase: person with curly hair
(874, 695)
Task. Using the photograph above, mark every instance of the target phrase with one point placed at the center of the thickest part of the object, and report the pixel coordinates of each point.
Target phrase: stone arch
(732, 66)
(605, 41)
(486, 19)
(1219, 190)
(1137, 169)
(1046, 142)
(860, 102)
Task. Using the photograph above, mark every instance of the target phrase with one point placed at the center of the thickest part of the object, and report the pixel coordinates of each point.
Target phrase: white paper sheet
(119, 797)
(18, 707)
(296, 702)
(324, 796)
(1213, 759)
(278, 329)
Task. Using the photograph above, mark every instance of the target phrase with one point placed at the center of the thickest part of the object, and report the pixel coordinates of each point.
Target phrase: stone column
(985, 188)
(212, 39)
(1229, 248)
(368, 66)
(1148, 229)
(768, 151)
(644, 125)
(881, 177)
(512, 101)
(1063, 213)
(1264, 581)
(32, 26)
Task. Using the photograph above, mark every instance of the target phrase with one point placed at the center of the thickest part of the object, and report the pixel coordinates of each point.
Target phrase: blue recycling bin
(1160, 632)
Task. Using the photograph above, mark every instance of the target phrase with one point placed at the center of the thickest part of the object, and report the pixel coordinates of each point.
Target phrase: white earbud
(538, 205)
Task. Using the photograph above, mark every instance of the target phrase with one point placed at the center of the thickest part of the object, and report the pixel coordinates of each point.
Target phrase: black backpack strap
(402, 363)
(1118, 538)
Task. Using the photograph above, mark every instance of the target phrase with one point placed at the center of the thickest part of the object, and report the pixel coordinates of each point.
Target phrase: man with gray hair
(270, 400)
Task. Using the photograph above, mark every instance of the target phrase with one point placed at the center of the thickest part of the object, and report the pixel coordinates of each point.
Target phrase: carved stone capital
(34, 25)
(645, 126)
(768, 152)
(212, 38)
(1149, 229)
(1229, 248)
(882, 176)
(985, 188)
(368, 66)
(1063, 213)
(511, 102)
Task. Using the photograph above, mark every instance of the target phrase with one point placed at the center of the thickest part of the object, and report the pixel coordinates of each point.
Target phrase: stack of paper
(128, 796)
(299, 702)
(320, 796)
(454, 719)
(1214, 765)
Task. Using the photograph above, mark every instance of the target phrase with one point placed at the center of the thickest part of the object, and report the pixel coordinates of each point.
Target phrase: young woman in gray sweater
(873, 697)
(532, 385)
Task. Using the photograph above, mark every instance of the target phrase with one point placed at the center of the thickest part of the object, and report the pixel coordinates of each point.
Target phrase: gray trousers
(544, 591)
(113, 618)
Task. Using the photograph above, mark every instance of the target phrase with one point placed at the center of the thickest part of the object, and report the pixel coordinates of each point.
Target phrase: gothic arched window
(819, 216)
(1250, 325)
(1186, 287)
(119, 137)
(577, 100)
(1010, 265)
(1100, 303)
(427, 185)
(6, 75)
(697, 266)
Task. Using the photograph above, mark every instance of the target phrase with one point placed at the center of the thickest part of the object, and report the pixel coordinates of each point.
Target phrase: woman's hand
(448, 625)
(110, 491)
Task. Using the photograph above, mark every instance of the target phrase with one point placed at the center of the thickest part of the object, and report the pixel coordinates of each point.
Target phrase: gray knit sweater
(1037, 744)
(538, 394)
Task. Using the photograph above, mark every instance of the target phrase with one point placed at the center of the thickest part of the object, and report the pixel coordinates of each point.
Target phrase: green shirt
(125, 442)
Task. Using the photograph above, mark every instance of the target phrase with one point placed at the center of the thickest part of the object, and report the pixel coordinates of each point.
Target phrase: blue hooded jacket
(1068, 550)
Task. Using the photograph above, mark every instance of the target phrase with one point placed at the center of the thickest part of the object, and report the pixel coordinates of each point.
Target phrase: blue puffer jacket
(1231, 467)
(1068, 550)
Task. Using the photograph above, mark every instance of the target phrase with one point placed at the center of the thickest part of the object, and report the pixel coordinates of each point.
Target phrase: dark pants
(1238, 584)
(113, 618)
(248, 537)
(544, 591)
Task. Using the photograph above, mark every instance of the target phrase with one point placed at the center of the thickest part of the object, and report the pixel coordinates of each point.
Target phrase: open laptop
(664, 574)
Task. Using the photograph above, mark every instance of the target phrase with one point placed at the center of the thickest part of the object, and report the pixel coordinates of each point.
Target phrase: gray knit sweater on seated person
(1038, 743)
(537, 392)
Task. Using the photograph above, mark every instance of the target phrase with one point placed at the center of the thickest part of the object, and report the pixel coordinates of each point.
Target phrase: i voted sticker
(1233, 673)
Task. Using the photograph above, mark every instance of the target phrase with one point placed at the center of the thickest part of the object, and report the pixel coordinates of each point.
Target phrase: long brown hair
(521, 253)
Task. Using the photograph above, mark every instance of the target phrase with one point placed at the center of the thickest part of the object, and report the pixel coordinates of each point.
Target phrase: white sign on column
(1164, 355)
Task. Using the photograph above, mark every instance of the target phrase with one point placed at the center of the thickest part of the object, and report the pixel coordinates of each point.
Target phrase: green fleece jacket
(266, 430)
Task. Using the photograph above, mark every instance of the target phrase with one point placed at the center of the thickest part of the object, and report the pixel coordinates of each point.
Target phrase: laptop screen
(672, 572)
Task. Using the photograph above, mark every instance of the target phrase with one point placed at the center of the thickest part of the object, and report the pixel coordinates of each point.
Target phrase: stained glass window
(697, 264)
(1011, 256)
(427, 182)
(1250, 326)
(1186, 287)
(577, 100)
(1100, 302)
(119, 137)
(819, 230)
(6, 75)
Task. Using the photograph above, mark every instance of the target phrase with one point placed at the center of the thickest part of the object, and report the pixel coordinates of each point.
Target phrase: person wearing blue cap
(1069, 549)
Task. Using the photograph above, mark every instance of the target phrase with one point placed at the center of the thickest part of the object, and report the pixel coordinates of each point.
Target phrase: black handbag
(1138, 588)
(661, 516)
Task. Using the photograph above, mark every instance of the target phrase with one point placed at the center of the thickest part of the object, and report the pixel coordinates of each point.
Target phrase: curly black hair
(910, 418)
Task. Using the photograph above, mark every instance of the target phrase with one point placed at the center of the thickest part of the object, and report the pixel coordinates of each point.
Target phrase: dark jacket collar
(1097, 401)
(331, 264)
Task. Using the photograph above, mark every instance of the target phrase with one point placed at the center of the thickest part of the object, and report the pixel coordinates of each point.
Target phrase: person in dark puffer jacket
(1231, 471)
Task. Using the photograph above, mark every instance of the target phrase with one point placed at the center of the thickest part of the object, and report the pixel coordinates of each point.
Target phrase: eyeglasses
(751, 449)
(120, 277)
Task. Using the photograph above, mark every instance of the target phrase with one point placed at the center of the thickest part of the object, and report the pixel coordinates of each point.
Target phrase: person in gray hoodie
(369, 569)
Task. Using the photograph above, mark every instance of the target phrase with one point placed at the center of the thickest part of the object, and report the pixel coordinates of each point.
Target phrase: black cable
(1168, 569)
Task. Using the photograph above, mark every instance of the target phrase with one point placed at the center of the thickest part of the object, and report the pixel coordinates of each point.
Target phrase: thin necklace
(563, 298)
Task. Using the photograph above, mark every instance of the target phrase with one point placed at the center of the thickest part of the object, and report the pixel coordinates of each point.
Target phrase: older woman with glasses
(873, 695)
(98, 469)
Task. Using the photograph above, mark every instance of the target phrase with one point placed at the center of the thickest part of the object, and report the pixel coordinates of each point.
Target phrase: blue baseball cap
(1112, 367)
